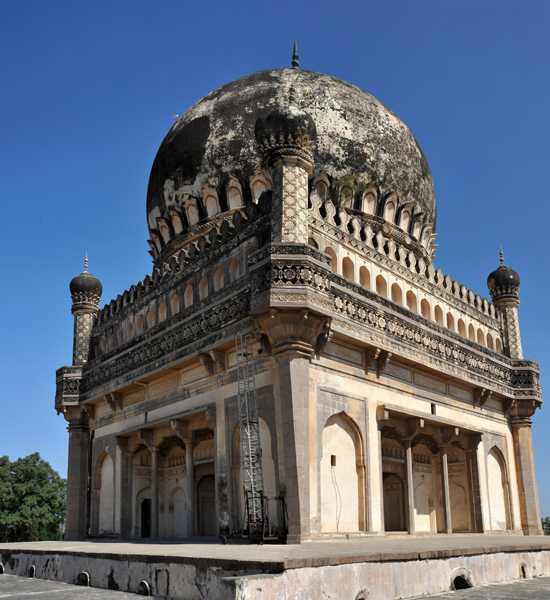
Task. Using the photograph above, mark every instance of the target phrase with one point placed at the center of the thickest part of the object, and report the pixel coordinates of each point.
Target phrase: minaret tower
(286, 138)
(86, 293)
(503, 284)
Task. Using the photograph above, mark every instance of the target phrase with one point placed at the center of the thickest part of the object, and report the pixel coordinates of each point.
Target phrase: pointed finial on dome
(86, 263)
(295, 63)
(501, 256)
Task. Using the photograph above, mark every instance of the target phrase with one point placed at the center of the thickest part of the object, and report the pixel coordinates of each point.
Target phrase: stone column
(77, 474)
(381, 479)
(520, 423)
(189, 487)
(445, 488)
(123, 512)
(472, 471)
(215, 417)
(292, 335)
(411, 525)
(154, 493)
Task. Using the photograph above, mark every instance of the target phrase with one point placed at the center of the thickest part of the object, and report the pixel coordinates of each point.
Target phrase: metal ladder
(250, 436)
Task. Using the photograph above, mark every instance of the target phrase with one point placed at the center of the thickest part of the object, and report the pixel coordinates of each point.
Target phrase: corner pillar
(520, 423)
(293, 336)
(189, 486)
(77, 474)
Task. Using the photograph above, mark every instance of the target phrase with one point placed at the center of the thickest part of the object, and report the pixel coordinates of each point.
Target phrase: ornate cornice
(292, 280)
(283, 279)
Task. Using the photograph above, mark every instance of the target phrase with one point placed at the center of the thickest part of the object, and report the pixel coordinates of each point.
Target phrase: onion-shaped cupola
(503, 284)
(85, 289)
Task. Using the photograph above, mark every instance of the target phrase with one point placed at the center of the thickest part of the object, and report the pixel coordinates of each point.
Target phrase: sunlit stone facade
(295, 206)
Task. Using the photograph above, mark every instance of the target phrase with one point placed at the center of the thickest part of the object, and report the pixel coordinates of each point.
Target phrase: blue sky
(88, 90)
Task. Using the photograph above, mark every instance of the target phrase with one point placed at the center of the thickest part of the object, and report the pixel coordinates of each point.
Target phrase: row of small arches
(176, 304)
(410, 301)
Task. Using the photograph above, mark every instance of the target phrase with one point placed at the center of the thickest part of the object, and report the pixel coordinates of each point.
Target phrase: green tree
(32, 500)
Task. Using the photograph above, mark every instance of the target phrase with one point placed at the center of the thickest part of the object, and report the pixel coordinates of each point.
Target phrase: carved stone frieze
(159, 350)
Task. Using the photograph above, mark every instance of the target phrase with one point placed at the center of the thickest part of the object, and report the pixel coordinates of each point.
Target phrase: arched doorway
(145, 521)
(499, 500)
(340, 479)
(393, 474)
(394, 503)
(178, 508)
(206, 507)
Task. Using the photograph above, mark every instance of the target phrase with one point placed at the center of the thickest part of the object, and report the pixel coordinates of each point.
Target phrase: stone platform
(369, 568)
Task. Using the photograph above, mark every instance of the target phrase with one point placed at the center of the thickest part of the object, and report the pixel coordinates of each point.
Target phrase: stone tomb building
(392, 398)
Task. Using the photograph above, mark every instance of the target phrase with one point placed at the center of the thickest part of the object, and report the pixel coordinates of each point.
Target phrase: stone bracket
(210, 416)
(114, 400)
(213, 361)
(414, 426)
(323, 339)
(89, 409)
(380, 358)
(148, 437)
(481, 395)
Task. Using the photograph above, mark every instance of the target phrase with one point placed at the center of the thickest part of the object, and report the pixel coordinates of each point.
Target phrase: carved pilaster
(520, 423)
(77, 473)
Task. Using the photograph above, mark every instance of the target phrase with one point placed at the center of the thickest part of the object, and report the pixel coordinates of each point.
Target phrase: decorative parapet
(222, 236)
(407, 262)
(67, 388)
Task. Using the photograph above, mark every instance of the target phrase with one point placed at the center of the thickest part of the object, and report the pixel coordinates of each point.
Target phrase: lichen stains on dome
(356, 134)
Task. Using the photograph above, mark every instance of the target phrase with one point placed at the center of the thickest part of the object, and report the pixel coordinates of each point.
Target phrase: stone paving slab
(23, 588)
(532, 589)
(278, 558)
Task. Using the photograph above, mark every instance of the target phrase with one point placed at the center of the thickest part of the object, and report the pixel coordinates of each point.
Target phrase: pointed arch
(106, 521)
(424, 506)
(499, 491)
(348, 268)
(381, 286)
(342, 476)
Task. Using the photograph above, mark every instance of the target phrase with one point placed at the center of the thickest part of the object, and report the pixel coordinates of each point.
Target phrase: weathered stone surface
(356, 134)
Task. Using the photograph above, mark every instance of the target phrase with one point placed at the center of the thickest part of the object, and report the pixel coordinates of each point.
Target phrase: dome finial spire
(501, 256)
(86, 263)
(295, 63)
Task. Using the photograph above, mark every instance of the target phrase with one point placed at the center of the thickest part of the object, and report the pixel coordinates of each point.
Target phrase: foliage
(32, 500)
(350, 182)
(546, 525)
(310, 94)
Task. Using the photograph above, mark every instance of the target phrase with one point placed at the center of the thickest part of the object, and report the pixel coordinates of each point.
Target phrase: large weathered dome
(356, 135)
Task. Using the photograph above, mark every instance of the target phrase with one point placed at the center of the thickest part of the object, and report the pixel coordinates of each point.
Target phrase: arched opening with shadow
(342, 476)
(393, 476)
(461, 579)
(499, 491)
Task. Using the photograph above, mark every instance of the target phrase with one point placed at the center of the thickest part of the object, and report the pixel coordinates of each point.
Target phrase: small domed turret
(85, 288)
(503, 283)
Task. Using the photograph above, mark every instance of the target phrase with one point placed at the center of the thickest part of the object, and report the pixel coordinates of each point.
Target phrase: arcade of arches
(167, 482)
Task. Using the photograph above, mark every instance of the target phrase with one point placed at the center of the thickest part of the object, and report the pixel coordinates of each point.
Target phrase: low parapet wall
(301, 574)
